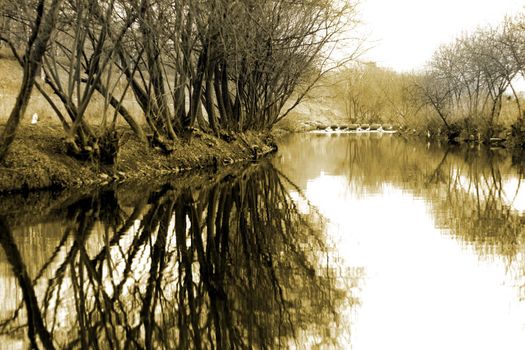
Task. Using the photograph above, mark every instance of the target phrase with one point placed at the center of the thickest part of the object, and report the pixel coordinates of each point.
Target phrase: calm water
(350, 241)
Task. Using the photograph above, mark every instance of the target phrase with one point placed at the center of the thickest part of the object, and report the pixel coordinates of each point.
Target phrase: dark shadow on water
(227, 264)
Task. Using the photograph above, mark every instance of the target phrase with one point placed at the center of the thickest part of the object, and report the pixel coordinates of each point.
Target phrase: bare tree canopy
(221, 66)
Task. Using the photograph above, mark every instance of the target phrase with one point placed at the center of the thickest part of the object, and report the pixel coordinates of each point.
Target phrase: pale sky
(405, 33)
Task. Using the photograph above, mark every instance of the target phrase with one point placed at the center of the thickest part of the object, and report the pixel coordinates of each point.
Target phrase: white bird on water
(34, 119)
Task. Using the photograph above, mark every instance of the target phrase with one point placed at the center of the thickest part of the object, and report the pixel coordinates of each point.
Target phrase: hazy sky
(405, 33)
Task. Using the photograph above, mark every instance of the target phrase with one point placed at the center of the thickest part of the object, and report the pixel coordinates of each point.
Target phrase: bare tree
(44, 22)
(436, 92)
(80, 56)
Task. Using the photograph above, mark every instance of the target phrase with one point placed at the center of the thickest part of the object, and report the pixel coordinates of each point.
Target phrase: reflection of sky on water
(437, 233)
(422, 289)
(512, 194)
(515, 193)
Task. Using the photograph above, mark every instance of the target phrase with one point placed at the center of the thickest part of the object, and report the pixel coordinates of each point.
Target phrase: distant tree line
(371, 94)
(217, 65)
(469, 79)
(469, 87)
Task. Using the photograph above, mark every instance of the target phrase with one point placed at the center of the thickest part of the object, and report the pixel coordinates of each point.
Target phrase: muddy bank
(38, 159)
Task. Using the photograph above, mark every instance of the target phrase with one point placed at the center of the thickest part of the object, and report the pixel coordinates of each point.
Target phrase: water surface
(437, 232)
(349, 241)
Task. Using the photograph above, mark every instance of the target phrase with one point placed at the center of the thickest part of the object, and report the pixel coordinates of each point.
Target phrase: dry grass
(11, 74)
(38, 159)
(38, 156)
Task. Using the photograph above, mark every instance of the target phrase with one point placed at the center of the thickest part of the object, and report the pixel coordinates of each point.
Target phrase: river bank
(512, 138)
(38, 159)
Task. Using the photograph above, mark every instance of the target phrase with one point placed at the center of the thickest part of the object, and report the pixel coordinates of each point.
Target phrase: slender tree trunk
(35, 50)
(209, 105)
(122, 111)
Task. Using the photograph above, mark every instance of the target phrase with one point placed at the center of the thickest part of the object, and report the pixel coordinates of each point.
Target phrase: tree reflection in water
(231, 264)
(474, 194)
(477, 207)
(465, 187)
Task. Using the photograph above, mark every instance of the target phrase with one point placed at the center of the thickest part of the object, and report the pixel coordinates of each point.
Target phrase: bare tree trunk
(137, 129)
(35, 50)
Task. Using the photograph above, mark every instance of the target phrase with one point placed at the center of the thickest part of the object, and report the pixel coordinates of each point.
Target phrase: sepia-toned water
(437, 235)
(337, 242)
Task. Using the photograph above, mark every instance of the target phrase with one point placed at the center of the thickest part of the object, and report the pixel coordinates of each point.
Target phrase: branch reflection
(227, 264)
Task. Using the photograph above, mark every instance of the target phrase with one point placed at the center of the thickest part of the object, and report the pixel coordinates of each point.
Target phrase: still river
(337, 242)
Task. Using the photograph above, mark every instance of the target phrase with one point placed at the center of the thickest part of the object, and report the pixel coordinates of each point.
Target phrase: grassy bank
(38, 158)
